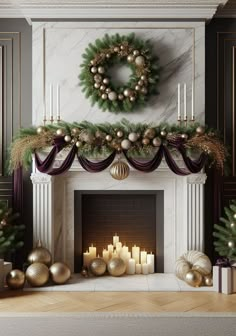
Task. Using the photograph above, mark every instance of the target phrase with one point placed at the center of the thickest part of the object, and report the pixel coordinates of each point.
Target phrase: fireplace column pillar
(195, 212)
(43, 210)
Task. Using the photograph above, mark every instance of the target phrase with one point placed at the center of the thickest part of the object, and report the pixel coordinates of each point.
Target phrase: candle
(185, 101)
(118, 246)
(128, 257)
(86, 258)
(93, 251)
(131, 266)
(110, 248)
(135, 253)
(115, 239)
(51, 102)
(44, 111)
(138, 268)
(193, 101)
(58, 102)
(105, 255)
(179, 111)
(143, 257)
(145, 268)
(150, 262)
(114, 254)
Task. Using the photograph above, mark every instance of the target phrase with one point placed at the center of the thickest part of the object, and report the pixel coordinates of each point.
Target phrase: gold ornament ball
(104, 96)
(97, 78)
(232, 225)
(200, 130)
(184, 136)
(150, 133)
(116, 49)
(235, 216)
(108, 55)
(146, 141)
(75, 131)
(140, 61)
(59, 273)
(163, 133)
(144, 90)
(136, 52)
(119, 134)
(143, 77)
(106, 81)
(120, 96)
(103, 87)
(128, 92)
(116, 267)
(101, 70)
(193, 278)
(108, 90)
(108, 137)
(156, 142)
(126, 144)
(231, 244)
(208, 281)
(15, 279)
(132, 98)
(78, 144)
(140, 83)
(97, 85)
(41, 129)
(37, 274)
(67, 138)
(119, 170)
(59, 132)
(40, 254)
(137, 87)
(94, 69)
(98, 266)
(130, 58)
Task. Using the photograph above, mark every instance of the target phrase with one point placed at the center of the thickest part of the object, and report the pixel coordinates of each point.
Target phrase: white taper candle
(185, 101)
(179, 104)
(51, 102)
(58, 101)
(193, 100)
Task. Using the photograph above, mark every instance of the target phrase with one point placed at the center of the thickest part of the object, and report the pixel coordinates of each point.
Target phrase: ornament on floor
(100, 87)
(119, 170)
(207, 280)
(192, 261)
(84, 272)
(193, 278)
(37, 274)
(60, 273)
(116, 267)
(15, 279)
(40, 254)
(98, 266)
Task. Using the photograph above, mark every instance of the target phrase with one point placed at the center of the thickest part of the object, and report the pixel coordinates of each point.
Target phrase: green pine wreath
(108, 51)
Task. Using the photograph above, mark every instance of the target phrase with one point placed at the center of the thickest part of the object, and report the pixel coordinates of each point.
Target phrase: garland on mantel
(136, 141)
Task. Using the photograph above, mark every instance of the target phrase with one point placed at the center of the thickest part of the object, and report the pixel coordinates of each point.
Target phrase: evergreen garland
(99, 87)
(225, 233)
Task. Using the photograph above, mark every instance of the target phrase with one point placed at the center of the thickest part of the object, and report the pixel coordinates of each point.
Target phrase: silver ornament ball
(94, 69)
(59, 131)
(156, 142)
(126, 144)
(133, 137)
(112, 95)
(67, 138)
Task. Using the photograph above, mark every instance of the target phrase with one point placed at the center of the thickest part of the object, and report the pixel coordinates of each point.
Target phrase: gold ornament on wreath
(100, 87)
(40, 254)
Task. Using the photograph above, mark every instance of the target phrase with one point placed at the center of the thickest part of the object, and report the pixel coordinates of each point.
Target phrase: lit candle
(135, 253)
(58, 102)
(145, 268)
(193, 100)
(179, 111)
(118, 246)
(185, 101)
(86, 258)
(110, 248)
(114, 254)
(138, 268)
(150, 262)
(115, 239)
(92, 251)
(143, 257)
(105, 255)
(51, 102)
(131, 266)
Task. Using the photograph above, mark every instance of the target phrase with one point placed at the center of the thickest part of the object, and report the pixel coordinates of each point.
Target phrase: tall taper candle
(193, 101)
(58, 102)
(51, 102)
(179, 112)
(185, 101)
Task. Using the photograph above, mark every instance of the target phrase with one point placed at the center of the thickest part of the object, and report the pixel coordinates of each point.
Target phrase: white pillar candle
(58, 101)
(138, 268)
(110, 248)
(125, 249)
(123, 252)
(128, 257)
(179, 111)
(150, 262)
(105, 255)
(131, 266)
(143, 257)
(93, 251)
(115, 239)
(145, 269)
(86, 259)
(51, 102)
(135, 253)
(114, 254)
(193, 100)
(185, 101)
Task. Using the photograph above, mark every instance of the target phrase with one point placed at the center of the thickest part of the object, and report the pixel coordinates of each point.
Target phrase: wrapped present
(224, 276)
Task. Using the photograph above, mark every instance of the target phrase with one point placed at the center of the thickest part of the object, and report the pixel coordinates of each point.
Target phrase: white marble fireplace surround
(57, 55)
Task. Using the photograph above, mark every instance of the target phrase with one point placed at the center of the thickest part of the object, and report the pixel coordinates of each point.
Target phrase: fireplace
(54, 207)
(136, 216)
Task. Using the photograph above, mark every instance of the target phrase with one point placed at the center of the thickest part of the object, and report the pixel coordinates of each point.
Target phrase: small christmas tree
(225, 233)
(11, 232)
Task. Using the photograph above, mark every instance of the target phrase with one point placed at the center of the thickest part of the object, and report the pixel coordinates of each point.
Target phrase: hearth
(136, 216)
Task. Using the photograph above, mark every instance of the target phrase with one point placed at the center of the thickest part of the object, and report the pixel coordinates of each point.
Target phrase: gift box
(224, 279)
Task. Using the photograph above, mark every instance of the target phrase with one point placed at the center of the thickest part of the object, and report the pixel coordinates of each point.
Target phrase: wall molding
(113, 9)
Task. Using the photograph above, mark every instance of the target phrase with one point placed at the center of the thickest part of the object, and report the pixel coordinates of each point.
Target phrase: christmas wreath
(111, 50)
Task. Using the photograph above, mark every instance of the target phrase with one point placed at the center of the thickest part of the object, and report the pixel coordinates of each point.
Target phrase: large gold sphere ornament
(193, 278)
(37, 274)
(15, 279)
(116, 267)
(40, 254)
(119, 170)
(98, 266)
(60, 273)
(208, 281)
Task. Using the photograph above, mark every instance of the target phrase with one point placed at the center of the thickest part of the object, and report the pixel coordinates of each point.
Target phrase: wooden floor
(18, 301)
